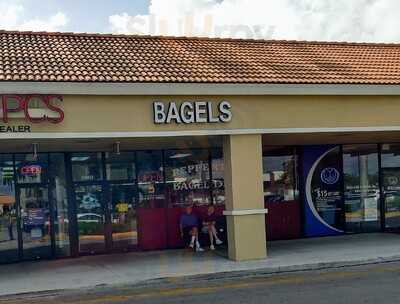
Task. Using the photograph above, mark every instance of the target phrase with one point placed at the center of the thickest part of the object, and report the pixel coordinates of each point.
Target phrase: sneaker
(199, 249)
(191, 245)
(218, 242)
(212, 247)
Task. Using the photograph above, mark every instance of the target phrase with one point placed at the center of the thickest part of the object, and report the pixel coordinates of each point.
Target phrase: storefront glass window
(86, 167)
(187, 175)
(281, 193)
(390, 154)
(120, 166)
(324, 188)
(8, 211)
(280, 183)
(58, 186)
(150, 175)
(124, 215)
(217, 167)
(361, 187)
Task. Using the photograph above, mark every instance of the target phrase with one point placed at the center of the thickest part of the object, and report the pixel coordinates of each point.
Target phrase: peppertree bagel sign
(192, 112)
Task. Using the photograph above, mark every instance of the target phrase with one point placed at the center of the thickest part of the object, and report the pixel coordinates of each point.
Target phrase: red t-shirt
(208, 218)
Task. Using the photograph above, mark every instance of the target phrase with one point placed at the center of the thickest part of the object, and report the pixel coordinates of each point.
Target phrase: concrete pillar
(244, 205)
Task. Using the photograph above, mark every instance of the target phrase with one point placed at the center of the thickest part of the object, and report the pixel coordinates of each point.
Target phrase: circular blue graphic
(329, 175)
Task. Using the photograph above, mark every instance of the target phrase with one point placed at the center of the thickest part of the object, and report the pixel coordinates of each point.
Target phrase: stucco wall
(135, 113)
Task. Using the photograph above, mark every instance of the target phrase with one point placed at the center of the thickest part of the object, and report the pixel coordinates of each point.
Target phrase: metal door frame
(380, 206)
(109, 185)
(103, 203)
(43, 184)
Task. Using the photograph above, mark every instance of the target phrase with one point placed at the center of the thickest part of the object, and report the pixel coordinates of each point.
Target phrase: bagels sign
(191, 112)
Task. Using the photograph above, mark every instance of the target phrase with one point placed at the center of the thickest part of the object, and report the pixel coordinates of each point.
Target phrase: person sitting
(209, 220)
(188, 225)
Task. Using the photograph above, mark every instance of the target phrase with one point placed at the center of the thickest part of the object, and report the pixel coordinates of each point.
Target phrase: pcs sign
(33, 108)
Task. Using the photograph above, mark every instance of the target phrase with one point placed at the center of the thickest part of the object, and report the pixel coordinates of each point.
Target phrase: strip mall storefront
(94, 194)
(100, 194)
(320, 190)
(104, 139)
(62, 204)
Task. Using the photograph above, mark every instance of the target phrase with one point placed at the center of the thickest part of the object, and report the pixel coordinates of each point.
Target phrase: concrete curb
(172, 281)
(273, 270)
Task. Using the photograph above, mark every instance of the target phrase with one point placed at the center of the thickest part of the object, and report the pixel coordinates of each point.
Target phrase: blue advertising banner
(322, 176)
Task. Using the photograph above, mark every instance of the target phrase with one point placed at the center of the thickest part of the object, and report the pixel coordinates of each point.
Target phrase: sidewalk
(132, 268)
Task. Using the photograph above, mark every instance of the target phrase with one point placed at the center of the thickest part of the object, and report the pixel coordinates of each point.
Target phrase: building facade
(104, 140)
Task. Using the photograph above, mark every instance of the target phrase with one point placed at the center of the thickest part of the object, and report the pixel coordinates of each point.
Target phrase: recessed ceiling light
(79, 158)
(180, 155)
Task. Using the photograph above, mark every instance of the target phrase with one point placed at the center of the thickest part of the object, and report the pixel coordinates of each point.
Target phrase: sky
(329, 20)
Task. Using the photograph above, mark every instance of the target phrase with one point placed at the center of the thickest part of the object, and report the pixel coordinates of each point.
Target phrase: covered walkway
(133, 268)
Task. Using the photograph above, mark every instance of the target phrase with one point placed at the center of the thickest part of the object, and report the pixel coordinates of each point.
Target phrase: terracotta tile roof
(29, 56)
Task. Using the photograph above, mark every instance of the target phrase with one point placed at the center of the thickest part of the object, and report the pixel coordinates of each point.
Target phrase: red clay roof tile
(30, 56)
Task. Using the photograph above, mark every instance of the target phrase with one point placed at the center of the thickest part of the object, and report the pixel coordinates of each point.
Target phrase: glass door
(88, 175)
(122, 206)
(91, 218)
(121, 199)
(390, 170)
(35, 221)
(361, 188)
(8, 212)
